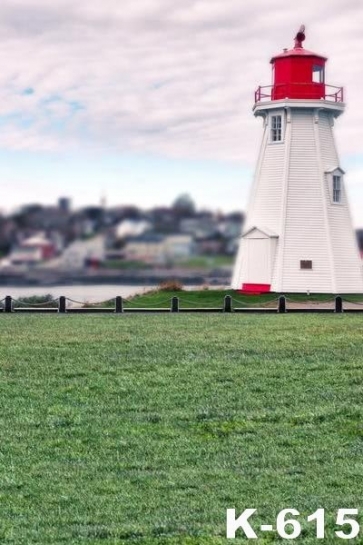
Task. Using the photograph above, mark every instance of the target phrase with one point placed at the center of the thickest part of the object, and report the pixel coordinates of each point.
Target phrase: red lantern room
(299, 74)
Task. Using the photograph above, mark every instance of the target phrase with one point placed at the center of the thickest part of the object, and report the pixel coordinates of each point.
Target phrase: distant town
(50, 242)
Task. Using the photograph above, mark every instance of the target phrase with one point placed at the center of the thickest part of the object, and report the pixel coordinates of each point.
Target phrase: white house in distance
(298, 235)
(159, 249)
(131, 228)
(33, 250)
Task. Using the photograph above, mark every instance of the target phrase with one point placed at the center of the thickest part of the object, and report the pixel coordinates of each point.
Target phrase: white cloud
(159, 76)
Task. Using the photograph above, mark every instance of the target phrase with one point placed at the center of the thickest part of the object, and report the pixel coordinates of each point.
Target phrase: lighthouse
(298, 234)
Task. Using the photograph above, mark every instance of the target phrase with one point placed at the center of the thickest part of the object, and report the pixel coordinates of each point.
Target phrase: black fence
(117, 306)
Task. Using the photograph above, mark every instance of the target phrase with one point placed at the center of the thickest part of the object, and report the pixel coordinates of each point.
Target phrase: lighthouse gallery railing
(297, 91)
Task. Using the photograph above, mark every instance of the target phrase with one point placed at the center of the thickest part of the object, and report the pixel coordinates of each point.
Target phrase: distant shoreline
(48, 277)
(91, 293)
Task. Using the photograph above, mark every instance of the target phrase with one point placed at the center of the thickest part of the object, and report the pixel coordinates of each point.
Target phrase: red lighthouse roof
(299, 74)
(297, 52)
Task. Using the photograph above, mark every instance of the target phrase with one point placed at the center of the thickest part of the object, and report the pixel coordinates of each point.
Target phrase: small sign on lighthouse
(298, 233)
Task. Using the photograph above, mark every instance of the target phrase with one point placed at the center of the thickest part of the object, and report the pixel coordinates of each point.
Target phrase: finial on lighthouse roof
(300, 37)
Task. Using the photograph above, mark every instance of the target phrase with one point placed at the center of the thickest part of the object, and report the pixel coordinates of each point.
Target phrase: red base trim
(255, 289)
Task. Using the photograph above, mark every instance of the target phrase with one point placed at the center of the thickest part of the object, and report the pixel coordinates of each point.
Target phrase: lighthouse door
(258, 261)
(259, 256)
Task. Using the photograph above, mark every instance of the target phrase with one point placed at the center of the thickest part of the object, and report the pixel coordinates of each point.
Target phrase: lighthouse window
(318, 73)
(276, 128)
(337, 188)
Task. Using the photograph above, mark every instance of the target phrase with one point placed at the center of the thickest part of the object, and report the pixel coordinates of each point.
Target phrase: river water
(83, 294)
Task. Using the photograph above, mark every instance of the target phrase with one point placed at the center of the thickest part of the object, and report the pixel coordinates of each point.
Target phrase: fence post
(227, 304)
(174, 307)
(8, 307)
(119, 305)
(282, 304)
(62, 304)
(338, 304)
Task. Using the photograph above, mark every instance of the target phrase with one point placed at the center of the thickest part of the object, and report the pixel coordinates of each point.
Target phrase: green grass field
(144, 429)
(214, 298)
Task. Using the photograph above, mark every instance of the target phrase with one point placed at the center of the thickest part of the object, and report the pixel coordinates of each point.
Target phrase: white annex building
(298, 234)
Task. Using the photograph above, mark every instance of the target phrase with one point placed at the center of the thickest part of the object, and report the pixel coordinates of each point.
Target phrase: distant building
(211, 245)
(84, 253)
(231, 229)
(164, 220)
(159, 249)
(178, 247)
(131, 228)
(146, 248)
(200, 226)
(64, 204)
(33, 250)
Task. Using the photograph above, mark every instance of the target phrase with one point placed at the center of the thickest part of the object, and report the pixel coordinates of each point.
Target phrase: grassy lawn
(214, 298)
(144, 429)
(187, 299)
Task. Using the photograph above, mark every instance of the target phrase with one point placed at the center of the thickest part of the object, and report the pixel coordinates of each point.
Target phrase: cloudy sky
(141, 100)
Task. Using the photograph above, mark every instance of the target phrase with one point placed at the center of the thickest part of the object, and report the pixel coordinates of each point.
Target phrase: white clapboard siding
(346, 260)
(266, 194)
(305, 232)
(329, 155)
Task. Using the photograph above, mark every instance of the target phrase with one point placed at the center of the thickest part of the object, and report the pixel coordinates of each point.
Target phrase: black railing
(278, 304)
(306, 91)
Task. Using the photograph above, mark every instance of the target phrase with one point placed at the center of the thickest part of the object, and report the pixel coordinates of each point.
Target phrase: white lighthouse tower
(298, 235)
